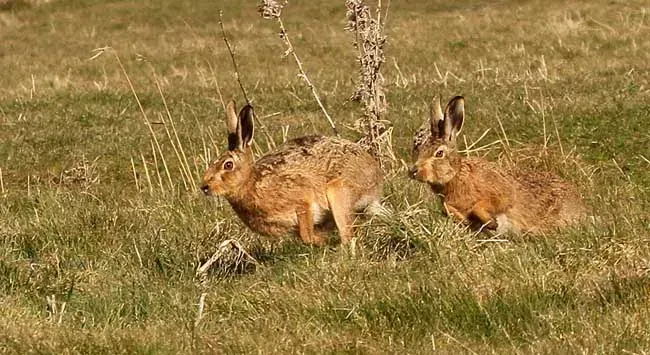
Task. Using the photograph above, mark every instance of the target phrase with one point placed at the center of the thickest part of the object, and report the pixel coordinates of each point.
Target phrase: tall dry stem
(269, 140)
(271, 9)
(2, 184)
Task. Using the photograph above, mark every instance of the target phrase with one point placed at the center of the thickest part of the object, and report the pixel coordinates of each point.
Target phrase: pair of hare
(312, 181)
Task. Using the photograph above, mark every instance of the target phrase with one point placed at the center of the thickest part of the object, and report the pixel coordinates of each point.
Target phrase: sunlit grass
(102, 230)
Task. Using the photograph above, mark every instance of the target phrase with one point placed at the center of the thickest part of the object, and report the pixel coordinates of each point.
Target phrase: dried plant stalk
(201, 308)
(269, 139)
(271, 9)
(369, 41)
(2, 184)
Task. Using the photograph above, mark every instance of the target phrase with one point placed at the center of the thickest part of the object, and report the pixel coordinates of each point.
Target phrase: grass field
(102, 227)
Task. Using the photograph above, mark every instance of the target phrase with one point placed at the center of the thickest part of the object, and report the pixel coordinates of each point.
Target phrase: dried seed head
(357, 15)
(270, 9)
(369, 40)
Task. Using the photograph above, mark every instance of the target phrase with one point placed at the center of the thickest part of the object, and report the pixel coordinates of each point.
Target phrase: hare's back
(552, 198)
(547, 187)
(316, 155)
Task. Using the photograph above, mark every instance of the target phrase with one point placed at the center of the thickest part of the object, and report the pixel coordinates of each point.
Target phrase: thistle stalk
(369, 40)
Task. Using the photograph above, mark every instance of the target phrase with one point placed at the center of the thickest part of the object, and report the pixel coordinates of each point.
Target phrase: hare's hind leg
(306, 226)
(480, 211)
(341, 206)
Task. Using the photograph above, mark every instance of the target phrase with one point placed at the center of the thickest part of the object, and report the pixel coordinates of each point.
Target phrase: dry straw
(166, 182)
(2, 184)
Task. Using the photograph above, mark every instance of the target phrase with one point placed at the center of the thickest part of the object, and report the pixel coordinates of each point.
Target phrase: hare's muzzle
(413, 172)
(206, 189)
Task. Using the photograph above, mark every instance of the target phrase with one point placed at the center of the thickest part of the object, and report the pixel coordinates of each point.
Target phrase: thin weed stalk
(557, 134)
(217, 86)
(269, 140)
(505, 142)
(640, 156)
(468, 149)
(145, 117)
(544, 130)
(2, 184)
(205, 157)
(271, 9)
(178, 146)
(206, 152)
(137, 253)
(185, 165)
(198, 172)
(146, 173)
(135, 175)
(201, 307)
(184, 175)
(155, 164)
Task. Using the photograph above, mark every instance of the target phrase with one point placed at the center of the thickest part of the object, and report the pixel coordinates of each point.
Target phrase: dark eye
(440, 153)
(228, 165)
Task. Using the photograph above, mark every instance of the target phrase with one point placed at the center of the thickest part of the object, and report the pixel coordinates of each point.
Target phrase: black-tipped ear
(246, 126)
(454, 118)
(231, 124)
(435, 116)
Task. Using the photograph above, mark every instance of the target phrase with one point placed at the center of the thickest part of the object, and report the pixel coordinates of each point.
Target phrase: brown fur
(479, 192)
(302, 187)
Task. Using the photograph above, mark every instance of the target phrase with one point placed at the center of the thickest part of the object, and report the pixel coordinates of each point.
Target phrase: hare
(302, 187)
(481, 193)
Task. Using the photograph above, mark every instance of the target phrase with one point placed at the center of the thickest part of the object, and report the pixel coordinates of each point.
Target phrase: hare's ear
(436, 117)
(231, 124)
(246, 126)
(454, 117)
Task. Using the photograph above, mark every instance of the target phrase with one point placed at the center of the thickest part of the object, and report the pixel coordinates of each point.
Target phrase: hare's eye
(228, 165)
(440, 153)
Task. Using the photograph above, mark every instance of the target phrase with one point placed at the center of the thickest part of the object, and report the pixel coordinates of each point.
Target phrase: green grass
(122, 257)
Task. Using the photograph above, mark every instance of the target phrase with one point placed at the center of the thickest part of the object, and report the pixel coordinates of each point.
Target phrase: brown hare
(481, 193)
(301, 187)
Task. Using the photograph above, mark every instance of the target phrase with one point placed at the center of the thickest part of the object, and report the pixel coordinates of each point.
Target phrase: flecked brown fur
(301, 187)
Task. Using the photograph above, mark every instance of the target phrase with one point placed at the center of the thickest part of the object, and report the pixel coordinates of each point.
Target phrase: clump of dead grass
(84, 174)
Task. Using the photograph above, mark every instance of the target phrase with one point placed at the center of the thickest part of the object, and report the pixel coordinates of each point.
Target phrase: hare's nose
(206, 189)
(413, 171)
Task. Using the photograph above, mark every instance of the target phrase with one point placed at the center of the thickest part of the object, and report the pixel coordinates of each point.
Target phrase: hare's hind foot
(341, 205)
